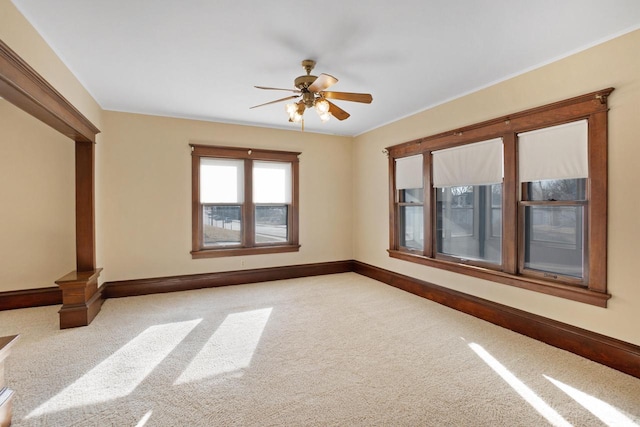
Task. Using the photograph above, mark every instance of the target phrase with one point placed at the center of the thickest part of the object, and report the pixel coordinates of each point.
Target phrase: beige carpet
(334, 350)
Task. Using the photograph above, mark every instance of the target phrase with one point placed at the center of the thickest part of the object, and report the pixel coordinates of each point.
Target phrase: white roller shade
(409, 172)
(479, 163)
(221, 180)
(557, 152)
(271, 182)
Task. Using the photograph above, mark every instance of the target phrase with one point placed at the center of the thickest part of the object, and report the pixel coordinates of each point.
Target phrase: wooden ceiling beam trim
(25, 88)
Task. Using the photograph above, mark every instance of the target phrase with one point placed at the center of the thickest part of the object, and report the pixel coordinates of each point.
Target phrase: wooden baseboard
(30, 298)
(209, 280)
(599, 348)
(608, 351)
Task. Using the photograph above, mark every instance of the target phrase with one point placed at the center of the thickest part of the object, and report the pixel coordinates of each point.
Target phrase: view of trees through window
(223, 224)
(271, 224)
(554, 223)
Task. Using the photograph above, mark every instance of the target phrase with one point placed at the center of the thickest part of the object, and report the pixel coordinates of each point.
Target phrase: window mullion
(394, 209)
(196, 206)
(428, 206)
(597, 209)
(510, 231)
(248, 207)
(293, 207)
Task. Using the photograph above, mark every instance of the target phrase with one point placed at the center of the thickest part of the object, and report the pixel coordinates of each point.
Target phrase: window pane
(221, 180)
(271, 224)
(222, 225)
(412, 227)
(553, 239)
(557, 189)
(413, 195)
(469, 222)
(271, 182)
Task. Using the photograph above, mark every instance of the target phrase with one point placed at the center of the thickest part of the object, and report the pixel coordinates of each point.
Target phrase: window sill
(226, 252)
(550, 288)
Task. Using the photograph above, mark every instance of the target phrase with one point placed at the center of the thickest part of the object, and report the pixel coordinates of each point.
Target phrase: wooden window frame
(592, 107)
(248, 245)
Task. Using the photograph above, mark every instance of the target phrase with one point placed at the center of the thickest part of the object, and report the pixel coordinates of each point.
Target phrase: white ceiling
(201, 58)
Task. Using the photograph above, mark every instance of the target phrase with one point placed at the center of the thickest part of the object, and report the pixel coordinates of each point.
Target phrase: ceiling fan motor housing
(304, 82)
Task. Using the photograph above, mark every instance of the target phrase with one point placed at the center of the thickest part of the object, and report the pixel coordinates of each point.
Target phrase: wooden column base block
(81, 298)
(6, 394)
(6, 407)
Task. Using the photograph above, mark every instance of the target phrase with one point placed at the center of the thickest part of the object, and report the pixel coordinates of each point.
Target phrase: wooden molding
(6, 406)
(608, 351)
(210, 280)
(81, 298)
(574, 293)
(6, 394)
(24, 87)
(30, 298)
(538, 117)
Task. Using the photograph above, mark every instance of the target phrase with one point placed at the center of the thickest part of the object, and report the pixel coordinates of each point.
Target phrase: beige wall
(615, 63)
(146, 187)
(37, 199)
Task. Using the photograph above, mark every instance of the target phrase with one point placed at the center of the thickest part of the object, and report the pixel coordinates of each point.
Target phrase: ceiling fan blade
(277, 100)
(349, 96)
(337, 112)
(277, 88)
(324, 81)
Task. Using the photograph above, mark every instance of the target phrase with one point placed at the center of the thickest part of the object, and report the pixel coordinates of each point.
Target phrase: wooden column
(85, 218)
(6, 394)
(81, 297)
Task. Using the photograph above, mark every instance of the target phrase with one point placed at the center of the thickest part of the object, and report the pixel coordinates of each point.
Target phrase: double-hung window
(467, 180)
(245, 201)
(410, 202)
(519, 200)
(553, 174)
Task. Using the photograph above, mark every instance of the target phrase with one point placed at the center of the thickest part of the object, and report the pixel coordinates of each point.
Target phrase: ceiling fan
(313, 93)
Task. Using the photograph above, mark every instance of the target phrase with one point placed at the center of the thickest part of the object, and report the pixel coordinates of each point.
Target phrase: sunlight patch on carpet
(119, 374)
(230, 348)
(144, 419)
(525, 392)
(604, 411)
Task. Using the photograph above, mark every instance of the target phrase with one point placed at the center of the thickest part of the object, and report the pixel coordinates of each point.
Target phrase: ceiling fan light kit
(312, 93)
